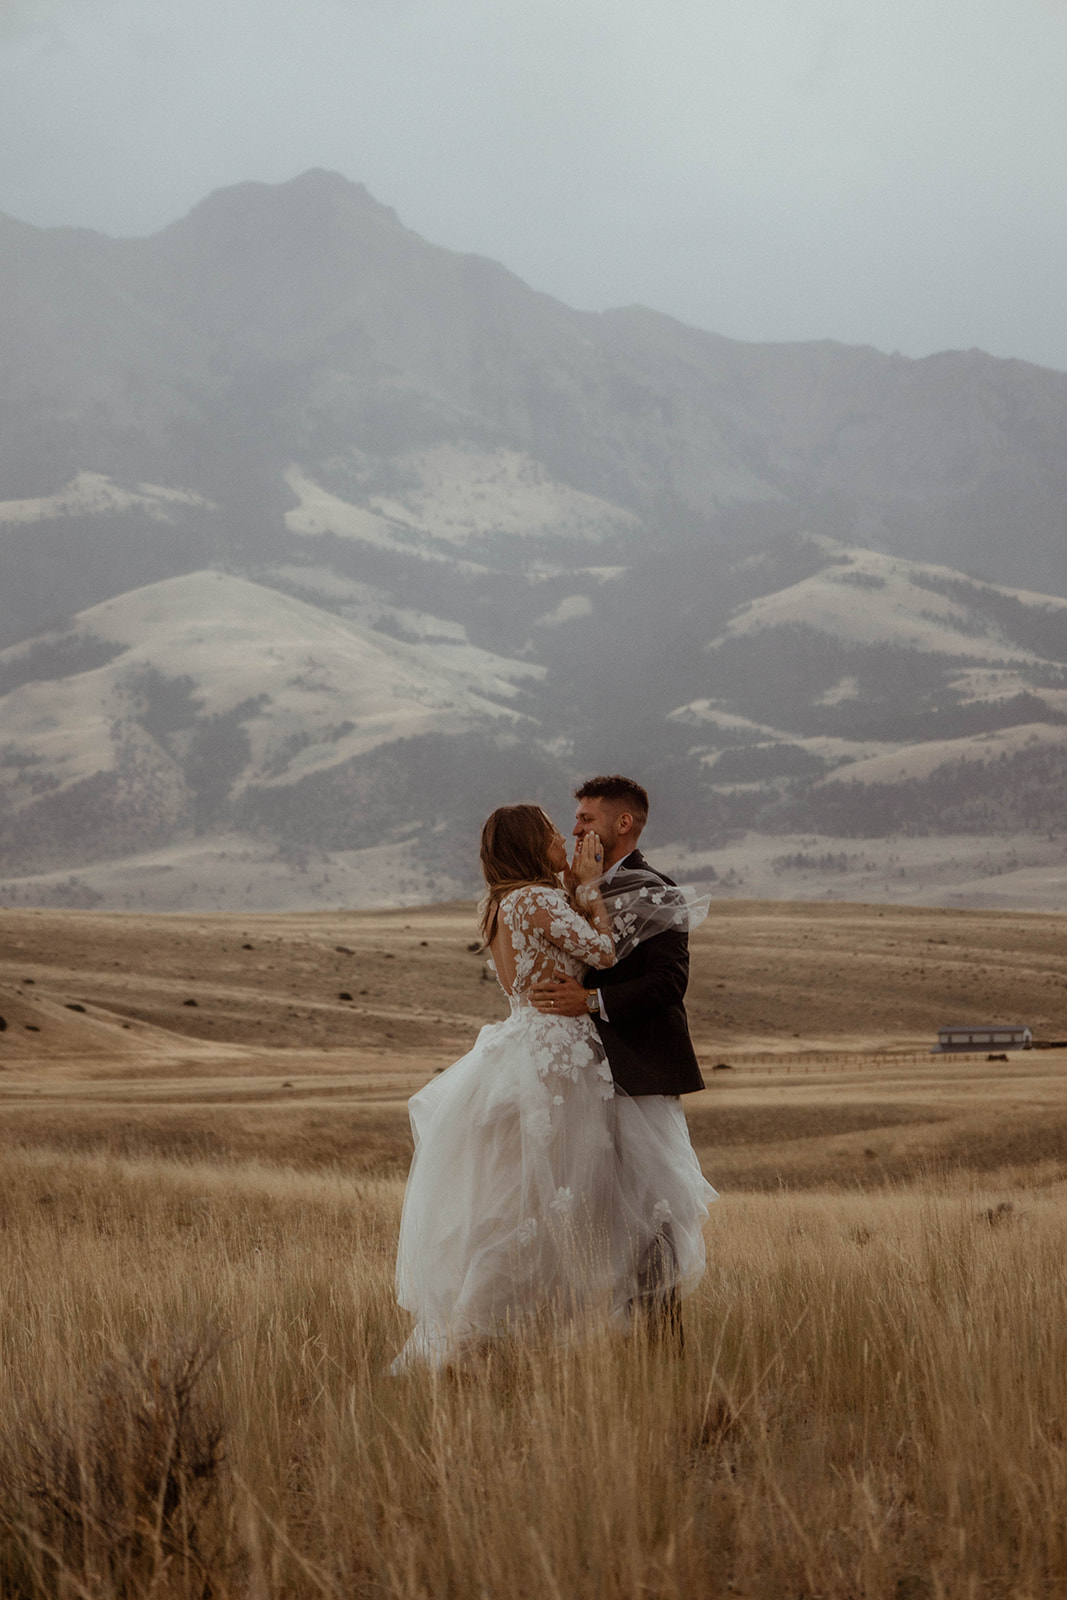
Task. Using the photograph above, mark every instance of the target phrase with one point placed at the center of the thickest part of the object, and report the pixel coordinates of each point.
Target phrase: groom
(638, 1004)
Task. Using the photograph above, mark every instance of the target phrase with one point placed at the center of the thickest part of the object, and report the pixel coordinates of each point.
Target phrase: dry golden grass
(871, 1402)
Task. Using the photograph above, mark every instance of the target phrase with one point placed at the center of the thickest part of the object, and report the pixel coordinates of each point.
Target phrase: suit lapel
(634, 862)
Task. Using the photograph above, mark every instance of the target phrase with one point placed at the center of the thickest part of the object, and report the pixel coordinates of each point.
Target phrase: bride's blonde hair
(514, 853)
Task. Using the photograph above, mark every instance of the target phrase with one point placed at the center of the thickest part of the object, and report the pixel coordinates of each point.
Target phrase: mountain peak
(314, 195)
(320, 183)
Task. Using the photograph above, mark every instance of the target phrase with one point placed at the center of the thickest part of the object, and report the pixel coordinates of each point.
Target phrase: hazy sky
(884, 172)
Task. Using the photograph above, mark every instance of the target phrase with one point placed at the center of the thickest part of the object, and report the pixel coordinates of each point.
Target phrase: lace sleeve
(548, 911)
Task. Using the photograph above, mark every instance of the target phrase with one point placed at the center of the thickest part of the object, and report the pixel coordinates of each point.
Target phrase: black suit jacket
(647, 1040)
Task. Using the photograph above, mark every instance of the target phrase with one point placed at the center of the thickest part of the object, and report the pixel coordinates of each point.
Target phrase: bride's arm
(585, 934)
(587, 871)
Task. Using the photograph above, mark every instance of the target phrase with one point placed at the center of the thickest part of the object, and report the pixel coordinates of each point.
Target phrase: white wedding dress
(537, 1194)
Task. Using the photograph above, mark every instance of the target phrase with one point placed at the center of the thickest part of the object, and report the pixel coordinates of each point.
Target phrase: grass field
(199, 1218)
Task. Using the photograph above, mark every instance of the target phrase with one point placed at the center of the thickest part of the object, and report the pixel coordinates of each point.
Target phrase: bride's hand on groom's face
(560, 997)
(588, 860)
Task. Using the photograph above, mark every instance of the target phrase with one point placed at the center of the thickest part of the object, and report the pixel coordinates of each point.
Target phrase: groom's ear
(625, 822)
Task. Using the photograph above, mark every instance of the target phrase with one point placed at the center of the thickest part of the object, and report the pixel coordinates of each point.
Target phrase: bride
(529, 1199)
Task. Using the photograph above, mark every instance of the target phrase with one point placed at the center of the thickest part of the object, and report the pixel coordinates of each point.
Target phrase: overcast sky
(883, 172)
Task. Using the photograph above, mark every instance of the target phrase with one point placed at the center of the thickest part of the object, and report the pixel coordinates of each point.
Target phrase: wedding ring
(596, 858)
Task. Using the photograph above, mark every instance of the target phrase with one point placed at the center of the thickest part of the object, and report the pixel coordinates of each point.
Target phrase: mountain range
(318, 540)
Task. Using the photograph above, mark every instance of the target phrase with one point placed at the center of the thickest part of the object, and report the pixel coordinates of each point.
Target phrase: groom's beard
(609, 841)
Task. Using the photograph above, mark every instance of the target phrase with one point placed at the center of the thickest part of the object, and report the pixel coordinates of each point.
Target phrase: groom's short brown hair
(624, 792)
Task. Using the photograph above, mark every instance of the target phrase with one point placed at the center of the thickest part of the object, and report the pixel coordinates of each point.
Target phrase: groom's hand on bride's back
(559, 997)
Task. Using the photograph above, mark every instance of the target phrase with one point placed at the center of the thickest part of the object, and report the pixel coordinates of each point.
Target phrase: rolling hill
(318, 538)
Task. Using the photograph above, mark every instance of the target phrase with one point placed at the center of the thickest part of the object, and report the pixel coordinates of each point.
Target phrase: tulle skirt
(538, 1195)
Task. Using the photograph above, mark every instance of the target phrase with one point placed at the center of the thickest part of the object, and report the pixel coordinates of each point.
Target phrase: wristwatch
(592, 1002)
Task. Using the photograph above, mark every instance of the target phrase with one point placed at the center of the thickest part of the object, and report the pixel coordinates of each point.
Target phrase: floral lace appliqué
(548, 935)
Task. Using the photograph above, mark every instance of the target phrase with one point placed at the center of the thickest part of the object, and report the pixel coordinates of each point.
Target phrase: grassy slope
(872, 1394)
